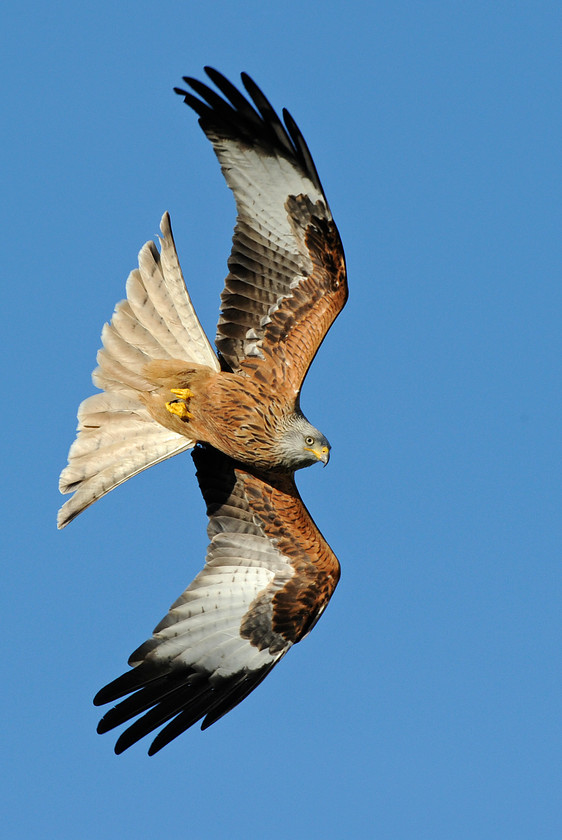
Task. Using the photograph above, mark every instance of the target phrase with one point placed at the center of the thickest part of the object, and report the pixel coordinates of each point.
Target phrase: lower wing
(268, 576)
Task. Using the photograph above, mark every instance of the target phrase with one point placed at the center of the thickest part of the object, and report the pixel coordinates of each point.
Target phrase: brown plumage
(269, 573)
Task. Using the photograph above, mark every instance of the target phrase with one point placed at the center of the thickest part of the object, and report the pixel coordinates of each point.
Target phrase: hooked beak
(322, 453)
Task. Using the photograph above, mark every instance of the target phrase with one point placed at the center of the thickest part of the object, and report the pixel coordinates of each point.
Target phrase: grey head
(302, 444)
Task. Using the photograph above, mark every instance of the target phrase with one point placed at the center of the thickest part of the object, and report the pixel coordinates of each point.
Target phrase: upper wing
(268, 577)
(287, 279)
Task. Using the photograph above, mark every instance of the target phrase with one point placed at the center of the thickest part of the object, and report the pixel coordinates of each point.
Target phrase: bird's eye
(309, 441)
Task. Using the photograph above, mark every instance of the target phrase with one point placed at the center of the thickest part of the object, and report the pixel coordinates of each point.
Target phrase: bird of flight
(268, 573)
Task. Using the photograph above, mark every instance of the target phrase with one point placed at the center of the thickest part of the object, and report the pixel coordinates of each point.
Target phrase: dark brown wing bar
(299, 323)
(297, 606)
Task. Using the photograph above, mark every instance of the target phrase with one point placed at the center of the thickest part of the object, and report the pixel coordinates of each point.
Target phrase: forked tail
(117, 438)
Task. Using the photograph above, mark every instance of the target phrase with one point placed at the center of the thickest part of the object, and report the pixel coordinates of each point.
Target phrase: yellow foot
(180, 409)
(182, 393)
(179, 406)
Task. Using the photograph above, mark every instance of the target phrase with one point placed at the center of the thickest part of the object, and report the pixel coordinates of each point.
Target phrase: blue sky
(426, 703)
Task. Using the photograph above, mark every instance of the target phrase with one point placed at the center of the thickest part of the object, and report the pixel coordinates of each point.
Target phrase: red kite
(269, 573)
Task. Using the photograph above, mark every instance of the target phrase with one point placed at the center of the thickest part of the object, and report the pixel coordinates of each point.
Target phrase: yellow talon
(179, 409)
(179, 406)
(182, 393)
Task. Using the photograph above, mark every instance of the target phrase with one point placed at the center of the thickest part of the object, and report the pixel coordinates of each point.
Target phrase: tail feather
(122, 460)
(145, 312)
(112, 375)
(133, 332)
(171, 300)
(100, 448)
(129, 355)
(117, 437)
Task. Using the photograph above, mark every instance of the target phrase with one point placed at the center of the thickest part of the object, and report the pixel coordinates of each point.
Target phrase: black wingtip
(214, 74)
(250, 118)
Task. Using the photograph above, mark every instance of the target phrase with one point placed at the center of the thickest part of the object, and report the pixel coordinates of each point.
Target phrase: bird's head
(302, 444)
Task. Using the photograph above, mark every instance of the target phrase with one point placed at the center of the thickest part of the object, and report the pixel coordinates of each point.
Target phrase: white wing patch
(261, 185)
(202, 628)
